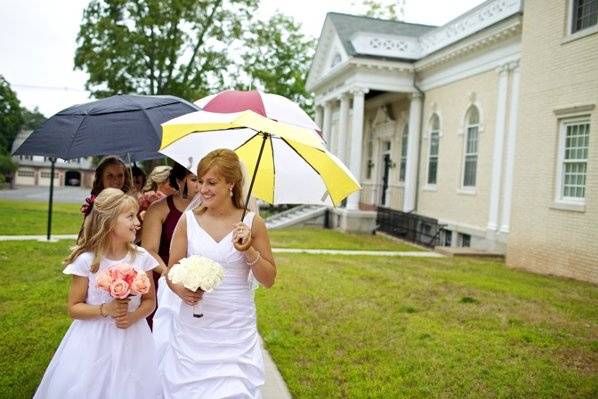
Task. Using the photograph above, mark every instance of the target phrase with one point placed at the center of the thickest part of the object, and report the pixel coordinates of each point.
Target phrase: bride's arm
(259, 254)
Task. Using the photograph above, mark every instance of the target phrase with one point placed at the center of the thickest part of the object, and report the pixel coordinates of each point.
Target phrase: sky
(37, 40)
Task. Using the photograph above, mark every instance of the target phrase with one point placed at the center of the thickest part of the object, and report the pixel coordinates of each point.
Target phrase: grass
(29, 217)
(353, 327)
(22, 217)
(331, 239)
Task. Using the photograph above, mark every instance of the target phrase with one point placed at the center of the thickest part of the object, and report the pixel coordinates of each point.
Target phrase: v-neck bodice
(200, 242)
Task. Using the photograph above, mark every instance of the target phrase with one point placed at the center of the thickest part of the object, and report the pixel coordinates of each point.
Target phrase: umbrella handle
(257, 164)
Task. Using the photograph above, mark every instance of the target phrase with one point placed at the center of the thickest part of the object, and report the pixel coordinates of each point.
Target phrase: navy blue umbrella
(125, 125)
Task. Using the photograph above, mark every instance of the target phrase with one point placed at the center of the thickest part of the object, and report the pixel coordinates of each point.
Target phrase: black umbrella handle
(257, 164)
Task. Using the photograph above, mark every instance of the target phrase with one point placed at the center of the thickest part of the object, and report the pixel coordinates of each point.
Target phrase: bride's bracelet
(257, 258)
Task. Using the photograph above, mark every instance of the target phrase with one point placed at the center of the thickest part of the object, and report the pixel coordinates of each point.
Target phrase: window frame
(433, 132)
(563, 124)
(403, 155)
(468, 126)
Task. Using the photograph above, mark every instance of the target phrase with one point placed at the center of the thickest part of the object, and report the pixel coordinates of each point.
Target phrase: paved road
(61, 194)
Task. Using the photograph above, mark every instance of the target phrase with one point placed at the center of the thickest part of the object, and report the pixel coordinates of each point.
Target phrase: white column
(356, 142)
(319, 115)
(343, 125)
(327, 127)
(412, 152)
(499, 134)
(510, 155)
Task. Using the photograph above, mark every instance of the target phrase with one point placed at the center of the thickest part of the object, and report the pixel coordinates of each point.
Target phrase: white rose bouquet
(197, 272)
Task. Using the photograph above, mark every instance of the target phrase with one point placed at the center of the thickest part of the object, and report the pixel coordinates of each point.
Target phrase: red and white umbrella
(272, 106)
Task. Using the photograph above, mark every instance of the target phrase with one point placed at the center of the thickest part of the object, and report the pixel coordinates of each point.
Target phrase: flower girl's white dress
(218, 355)
(95, 358)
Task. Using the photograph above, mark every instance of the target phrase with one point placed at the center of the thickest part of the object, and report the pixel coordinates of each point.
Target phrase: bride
(218, 355)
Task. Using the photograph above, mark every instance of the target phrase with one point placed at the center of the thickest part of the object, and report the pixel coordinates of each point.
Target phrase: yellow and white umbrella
(288, 164)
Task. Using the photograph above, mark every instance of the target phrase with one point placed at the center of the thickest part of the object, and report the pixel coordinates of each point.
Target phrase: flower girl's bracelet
(102, 310)
(257, 258)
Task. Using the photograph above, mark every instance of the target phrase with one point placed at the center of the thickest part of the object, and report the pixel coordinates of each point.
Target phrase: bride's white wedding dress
(218, 355)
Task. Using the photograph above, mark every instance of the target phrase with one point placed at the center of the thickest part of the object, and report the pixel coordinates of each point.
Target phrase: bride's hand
(189, 297)
(241, 237)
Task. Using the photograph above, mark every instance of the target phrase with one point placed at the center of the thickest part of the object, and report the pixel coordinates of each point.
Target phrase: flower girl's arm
(79, 309)
(259, 254)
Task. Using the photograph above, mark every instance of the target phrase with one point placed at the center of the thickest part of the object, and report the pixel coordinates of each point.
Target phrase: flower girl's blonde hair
(95, 236)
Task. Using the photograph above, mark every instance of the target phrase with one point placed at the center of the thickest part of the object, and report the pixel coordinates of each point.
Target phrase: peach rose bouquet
(122, 281)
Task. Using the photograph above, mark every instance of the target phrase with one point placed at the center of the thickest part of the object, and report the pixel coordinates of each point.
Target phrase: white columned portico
(327, 127)
(510, 151)
(343, 132)
(412, 152)
(499, 134)
(356, 142)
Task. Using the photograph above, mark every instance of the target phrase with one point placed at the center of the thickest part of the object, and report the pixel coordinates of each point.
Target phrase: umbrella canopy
(272, 106)
(125, 125)
(289, 164)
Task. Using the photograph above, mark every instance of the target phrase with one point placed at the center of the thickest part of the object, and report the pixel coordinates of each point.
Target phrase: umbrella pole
(53, 163)
(257, 164)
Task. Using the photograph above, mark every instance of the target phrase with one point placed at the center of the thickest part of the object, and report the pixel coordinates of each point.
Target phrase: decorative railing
(409, 226)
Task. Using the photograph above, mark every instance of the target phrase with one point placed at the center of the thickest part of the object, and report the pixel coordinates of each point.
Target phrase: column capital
(359, 91)
(344, 96)
(503, 69)
(416, 95)
(513, 65)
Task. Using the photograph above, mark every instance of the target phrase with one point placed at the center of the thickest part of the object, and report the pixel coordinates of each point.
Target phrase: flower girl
(108, 351)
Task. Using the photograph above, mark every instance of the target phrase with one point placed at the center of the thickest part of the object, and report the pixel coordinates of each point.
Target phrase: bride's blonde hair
(95, 236)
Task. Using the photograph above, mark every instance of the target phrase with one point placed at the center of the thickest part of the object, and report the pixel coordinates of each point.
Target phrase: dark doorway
(72, 178)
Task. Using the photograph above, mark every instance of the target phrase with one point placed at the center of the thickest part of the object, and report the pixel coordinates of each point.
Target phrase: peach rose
(123, 272)
(119, 289)
(141, 284)
(103, 281)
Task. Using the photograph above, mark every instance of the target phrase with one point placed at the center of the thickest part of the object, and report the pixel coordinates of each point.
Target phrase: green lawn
(332, 239)
(22, 217)
(354, 327)
(28, 217)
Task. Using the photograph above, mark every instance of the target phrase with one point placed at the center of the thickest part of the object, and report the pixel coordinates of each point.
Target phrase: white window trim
(432, 186)
(463, 189)
(560, 202)
(400, 169)
(569, 35)
(462, 131)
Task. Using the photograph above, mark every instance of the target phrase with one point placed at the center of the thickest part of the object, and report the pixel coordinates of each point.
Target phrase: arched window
(471, 147)
(335, 60)
(404, 143)
(433, 150)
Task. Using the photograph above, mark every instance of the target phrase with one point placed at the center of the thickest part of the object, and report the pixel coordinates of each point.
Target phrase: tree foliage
(384, 9)
(11, 116)
(191, 48)
(176, 47)
(32, 119)
(278, 57)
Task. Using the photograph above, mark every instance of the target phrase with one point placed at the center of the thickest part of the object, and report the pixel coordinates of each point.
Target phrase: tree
(177, 47)
(278, 57)
(32, 119)
(11, 117)
(384, 9)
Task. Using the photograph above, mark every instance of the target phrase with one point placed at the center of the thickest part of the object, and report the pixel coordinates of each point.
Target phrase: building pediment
(383, 125)
(329, 56)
